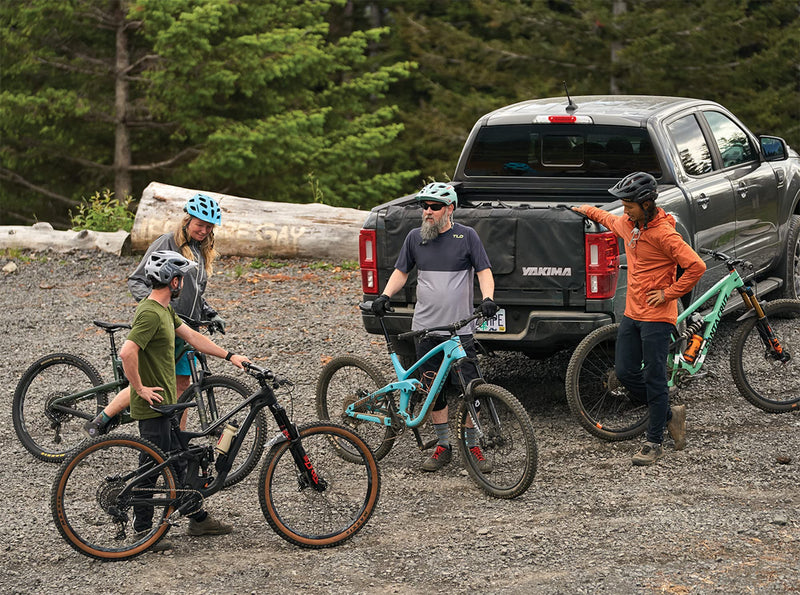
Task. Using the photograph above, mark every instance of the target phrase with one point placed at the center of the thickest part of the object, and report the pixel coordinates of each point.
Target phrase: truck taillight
(368, 261)
(602, 265)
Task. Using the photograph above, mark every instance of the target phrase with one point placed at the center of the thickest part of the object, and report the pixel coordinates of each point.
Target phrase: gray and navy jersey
(446, 267)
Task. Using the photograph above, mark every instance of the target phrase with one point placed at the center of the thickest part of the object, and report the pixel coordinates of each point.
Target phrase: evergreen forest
(345, 102)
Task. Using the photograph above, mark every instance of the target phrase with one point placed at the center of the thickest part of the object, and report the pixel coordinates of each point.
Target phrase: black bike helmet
(636, 187)
(164, 265)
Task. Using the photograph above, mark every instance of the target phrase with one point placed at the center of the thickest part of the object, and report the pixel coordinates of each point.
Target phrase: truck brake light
(602, 265)
(367, 260)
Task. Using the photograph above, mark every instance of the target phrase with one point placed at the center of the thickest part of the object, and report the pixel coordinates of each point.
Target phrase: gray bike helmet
(440, 193)
(164, 265)
(204, 208)
(637, 187)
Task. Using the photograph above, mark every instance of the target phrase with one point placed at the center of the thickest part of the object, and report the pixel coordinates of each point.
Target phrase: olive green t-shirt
(154, 332)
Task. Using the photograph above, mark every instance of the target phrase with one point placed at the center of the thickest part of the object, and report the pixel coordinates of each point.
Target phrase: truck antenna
(571, 107)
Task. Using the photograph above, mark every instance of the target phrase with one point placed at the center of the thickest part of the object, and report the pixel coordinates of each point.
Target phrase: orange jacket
(652, 263)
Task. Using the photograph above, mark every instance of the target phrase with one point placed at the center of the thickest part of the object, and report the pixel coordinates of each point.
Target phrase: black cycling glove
(488, 308)
(380, 305)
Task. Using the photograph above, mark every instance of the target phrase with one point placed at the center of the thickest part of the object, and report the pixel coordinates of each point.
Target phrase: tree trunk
(255, 228)
(122, 146)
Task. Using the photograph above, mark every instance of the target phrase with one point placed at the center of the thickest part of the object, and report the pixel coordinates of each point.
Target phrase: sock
(102, 419)
(470, 437)
(199, 517)
(442, 434)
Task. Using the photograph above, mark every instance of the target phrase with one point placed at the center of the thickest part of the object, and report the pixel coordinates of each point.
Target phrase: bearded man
(448, 256)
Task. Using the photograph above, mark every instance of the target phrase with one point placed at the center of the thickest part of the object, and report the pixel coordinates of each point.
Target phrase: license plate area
(494, 325)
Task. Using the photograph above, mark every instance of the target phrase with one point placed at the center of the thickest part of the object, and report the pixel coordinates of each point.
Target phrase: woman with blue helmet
(193, 237)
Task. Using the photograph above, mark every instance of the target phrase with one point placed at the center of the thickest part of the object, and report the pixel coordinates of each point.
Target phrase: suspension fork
(771, 342)
(307, 473)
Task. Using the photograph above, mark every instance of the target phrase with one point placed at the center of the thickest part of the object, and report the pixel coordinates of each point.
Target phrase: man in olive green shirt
(148, 358)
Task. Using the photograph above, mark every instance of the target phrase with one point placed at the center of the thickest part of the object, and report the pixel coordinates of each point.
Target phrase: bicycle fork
(307, 475)
(773, 346)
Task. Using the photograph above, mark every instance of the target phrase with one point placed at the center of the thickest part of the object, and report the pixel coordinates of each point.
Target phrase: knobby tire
(317, 519)
(84, 500)
(507, 444)
(47, 434)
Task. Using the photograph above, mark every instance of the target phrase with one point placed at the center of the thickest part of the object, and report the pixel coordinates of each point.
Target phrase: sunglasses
(433, 206)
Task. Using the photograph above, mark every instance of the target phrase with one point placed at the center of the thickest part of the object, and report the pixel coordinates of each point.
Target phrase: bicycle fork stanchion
(308, 476)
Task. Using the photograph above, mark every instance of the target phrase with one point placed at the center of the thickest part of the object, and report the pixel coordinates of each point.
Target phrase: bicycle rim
(49, 434)
(346, 380)
(315, 519)
(222, 394)
(506, 443)
(595, 395)
(765, 382)
(85, 502)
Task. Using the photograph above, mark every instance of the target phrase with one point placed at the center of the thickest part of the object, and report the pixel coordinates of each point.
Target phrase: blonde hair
(182, 240)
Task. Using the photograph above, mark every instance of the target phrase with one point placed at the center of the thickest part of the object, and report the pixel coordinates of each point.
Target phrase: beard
(430, 229)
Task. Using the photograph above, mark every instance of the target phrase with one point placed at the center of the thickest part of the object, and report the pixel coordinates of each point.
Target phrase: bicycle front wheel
(767, 383)
(595, 395)
(346, 380)
(325, 516)
(49, 430)
(89, 511)
(505, 463)
(220, 395)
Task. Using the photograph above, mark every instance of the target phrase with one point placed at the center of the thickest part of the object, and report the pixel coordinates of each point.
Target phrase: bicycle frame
(199, 457)
(452, 351)
(723, 289)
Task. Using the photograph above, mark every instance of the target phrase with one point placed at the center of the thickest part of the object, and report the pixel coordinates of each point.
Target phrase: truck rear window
(574, 150)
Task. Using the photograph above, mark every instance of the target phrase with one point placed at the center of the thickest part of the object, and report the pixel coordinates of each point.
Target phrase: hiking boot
(162, 546)
(484, 466)
(208, 526)
(648, 454)
(93, 429)
(676, 426)
(440, 457)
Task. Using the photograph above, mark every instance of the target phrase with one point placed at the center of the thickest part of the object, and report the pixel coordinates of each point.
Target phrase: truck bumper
(544, 333)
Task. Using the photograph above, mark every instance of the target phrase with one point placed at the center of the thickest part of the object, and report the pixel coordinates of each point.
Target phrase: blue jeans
(641, 366)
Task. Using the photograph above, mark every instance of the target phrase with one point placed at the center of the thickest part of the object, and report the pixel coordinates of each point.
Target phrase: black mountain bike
(60, 392)
(309, 494)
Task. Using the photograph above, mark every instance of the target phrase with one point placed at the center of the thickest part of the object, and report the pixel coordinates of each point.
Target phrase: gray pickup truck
(558, 276)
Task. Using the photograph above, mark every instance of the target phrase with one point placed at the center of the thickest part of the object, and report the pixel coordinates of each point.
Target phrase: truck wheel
(790, 265)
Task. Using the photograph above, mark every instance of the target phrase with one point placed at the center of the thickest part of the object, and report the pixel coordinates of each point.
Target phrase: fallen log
(253, 227)
(41, 237)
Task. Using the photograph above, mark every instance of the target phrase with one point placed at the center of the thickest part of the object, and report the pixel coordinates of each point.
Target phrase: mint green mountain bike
(764, 358)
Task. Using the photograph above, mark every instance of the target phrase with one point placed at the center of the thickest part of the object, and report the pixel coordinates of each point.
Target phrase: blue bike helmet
(440, 193)
(204, 208)
(164, 265)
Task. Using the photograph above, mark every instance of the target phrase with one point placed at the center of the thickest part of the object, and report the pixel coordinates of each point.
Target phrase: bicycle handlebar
(263, 375)
(729, 260)
(211, 325)
(451, 328)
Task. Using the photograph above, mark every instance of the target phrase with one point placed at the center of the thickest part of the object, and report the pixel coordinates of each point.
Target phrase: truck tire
(789, 268)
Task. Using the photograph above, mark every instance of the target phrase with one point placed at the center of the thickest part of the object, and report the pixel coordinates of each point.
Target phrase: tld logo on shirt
(458, 236)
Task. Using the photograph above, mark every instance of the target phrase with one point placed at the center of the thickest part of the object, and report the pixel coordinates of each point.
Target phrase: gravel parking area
(722, 516)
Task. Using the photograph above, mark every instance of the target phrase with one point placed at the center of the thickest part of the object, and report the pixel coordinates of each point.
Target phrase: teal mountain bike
(764, 358)
(352, 391)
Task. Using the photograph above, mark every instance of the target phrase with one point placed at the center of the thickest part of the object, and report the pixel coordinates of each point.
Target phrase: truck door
(710, 194)
(754, 189)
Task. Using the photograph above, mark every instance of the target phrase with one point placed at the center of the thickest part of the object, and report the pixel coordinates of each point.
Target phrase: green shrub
(102, 212)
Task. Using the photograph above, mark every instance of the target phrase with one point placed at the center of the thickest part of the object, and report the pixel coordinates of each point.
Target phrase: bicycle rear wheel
(346, 380)
(764, 381)
(595, 395)
(506, 442)
(313, 518)
(220, 395)
(45, 432)
(86, 504)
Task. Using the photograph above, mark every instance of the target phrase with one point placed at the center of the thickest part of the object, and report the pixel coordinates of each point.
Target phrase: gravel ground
(718, 517)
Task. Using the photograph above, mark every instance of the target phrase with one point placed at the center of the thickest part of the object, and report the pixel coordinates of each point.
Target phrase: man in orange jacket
(654, 249)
